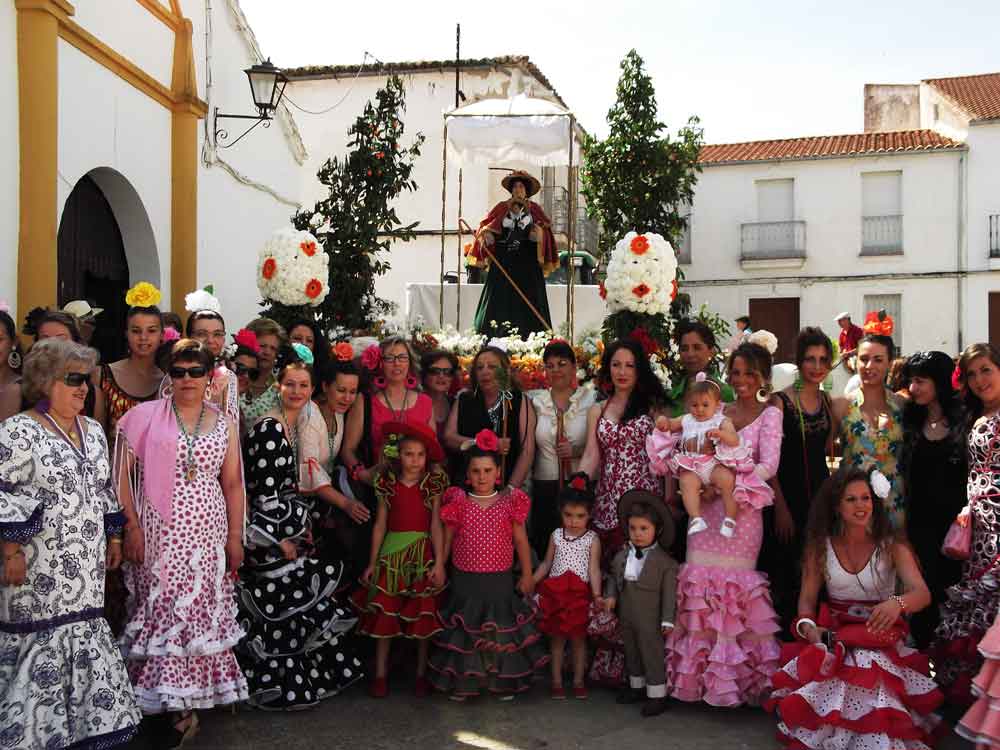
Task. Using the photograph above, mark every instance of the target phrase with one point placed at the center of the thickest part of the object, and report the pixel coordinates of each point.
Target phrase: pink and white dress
(723, 650)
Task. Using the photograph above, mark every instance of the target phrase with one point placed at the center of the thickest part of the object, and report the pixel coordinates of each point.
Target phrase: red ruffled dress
(981, 723)
(564, 596)
(856, 697)
(400, 600)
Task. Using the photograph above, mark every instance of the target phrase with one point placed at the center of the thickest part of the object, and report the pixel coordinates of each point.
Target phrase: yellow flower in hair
(143, 294)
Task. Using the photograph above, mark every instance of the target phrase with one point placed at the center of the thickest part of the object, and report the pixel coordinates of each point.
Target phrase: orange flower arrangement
(270, 266)
(639, 245)
(314, 288)
(342, 351)
(309, 248)
(641, 291)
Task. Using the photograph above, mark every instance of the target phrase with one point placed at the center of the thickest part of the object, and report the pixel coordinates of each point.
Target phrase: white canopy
(519, 129)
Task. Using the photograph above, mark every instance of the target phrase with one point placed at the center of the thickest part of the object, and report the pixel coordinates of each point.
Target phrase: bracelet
(899, 600)
(114, 540)
(797, 626)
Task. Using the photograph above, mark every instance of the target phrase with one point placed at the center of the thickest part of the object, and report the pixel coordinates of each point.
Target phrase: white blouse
(546, 466)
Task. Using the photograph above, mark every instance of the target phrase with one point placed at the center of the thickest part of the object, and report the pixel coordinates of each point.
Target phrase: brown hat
(662, 515)
(531, 184)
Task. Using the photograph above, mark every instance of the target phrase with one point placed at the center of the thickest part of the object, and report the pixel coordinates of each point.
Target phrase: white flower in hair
(202, 299)
(764, 339)
(500, 344)
(880, 484)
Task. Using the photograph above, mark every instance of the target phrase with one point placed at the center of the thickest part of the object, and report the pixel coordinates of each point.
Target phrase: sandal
(697, 525)
(728, 527)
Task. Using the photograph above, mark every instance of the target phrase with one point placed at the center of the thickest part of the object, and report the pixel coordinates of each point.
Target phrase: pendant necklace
(74, 431)
(190, 463)
(397, 416)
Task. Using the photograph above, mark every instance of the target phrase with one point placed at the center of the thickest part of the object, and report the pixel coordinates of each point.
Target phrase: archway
(105, 244)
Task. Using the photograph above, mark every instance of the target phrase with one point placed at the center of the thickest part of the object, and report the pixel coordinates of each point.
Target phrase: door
(995, 318)
(780, 316)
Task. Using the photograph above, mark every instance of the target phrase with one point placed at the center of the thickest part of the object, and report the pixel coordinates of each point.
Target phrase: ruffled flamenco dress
(981, 723)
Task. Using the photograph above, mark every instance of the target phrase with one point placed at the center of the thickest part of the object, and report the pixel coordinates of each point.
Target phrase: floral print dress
(867, 447)
(62, 678)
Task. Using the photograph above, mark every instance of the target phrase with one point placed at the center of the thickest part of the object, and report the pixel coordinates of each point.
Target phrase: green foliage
(356, 222)
(636, 178)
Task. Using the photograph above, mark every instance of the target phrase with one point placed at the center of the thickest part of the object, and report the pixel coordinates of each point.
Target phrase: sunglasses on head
(192, 372)
(76, 379)
(441, 371)
(251, 372)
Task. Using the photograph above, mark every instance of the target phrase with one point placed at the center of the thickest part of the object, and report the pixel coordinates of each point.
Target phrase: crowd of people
(257, 517)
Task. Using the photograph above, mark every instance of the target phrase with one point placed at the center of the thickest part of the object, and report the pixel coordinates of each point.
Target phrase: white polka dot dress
(298, 648)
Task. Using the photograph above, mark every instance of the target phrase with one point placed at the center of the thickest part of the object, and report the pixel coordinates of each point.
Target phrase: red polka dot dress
(182, 625)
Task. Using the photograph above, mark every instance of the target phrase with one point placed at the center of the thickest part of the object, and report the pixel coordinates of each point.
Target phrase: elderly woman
(178, 472)
(262, 395)
(62, 679)
(495, 403)
(560, 438)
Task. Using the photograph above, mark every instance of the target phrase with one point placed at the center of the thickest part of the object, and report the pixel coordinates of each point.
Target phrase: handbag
(957, 543)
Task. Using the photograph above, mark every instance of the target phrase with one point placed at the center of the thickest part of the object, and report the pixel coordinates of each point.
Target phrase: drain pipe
(960, 250)
(208, 146)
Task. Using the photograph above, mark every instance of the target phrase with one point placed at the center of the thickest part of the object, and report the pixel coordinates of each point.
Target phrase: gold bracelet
(114, 540)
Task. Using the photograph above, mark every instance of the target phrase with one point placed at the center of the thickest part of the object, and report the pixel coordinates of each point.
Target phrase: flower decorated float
(292, 269)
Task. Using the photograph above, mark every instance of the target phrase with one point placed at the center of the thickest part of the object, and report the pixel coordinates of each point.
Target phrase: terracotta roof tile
(978, 96)
(828, 146)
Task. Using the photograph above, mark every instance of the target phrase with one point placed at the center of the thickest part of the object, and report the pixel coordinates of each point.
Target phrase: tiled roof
(336, 71)
(978, 96)
(828, 146)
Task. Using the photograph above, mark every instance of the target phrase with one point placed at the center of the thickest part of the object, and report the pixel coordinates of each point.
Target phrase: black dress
(500, 306)
(936, 472)
(802, 470)
(298, 649)
(473, 416)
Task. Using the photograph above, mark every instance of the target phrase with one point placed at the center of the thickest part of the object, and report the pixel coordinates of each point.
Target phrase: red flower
(673, 289)
(639, 245)
(309, 248)
(956, 378)
(379, 154)
(270, 266)
(642, 338)
(487, 440)
(248, 339)
(642, 290)
(578, 483)
(314, 288)
(601, 290)
(371, 358)
(343, 351)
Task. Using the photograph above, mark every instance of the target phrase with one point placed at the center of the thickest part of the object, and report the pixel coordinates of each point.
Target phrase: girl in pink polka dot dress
(490, 637)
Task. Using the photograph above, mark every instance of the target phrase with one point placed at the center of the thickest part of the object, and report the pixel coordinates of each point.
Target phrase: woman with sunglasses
(62, 679)
(441, 375)
(178, 475)
(245, 365)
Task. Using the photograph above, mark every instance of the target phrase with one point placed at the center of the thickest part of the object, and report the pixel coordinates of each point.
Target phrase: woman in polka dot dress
(854, 684)
(490, 638)
(178, 468)
(297, 650)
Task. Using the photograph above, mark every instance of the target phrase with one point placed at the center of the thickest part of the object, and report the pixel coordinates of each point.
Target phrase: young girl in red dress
(568, 579)
(490, 638)
(403, 578)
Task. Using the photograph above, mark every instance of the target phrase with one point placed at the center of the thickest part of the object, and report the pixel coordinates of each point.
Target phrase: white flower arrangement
(293, 269)
(202, 299)
(765, 339)
(660, 371)
(641, 275)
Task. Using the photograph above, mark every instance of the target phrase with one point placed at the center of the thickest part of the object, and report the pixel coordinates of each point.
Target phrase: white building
(905, 216)
(111, 173)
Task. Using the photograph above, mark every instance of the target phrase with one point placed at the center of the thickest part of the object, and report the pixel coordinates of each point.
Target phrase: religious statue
(515, 240)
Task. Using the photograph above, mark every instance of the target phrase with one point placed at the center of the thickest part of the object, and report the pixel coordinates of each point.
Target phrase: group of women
(236, 492)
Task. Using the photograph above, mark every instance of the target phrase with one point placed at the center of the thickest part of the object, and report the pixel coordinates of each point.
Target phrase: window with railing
(882, 235)
(994, 235)
(882, 213)
(772, 240)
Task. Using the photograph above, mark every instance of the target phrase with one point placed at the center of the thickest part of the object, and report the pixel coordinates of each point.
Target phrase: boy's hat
(421, 432)
(663, 517)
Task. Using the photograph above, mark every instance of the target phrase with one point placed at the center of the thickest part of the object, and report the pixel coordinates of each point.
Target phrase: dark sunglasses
(441, 371)
(251, 372)
(76, 379)
(192, 372)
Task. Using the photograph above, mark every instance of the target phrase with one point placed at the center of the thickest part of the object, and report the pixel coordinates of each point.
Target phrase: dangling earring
(762, 394)
(14, 360)
(379, 382)
(411, 382)
(168, 391)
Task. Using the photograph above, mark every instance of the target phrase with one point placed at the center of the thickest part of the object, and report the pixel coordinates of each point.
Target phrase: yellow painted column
(184, 171)
(38, 109)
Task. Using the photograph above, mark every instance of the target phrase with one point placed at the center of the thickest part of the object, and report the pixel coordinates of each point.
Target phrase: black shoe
(655, 706)
(628, 696)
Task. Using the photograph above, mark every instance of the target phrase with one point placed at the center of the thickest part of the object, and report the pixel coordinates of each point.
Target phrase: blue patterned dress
(62, 678)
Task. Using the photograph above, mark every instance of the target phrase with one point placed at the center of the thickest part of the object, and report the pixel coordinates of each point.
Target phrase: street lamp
(267, 86)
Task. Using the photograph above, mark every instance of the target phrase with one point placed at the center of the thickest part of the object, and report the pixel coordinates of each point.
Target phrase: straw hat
(531, 184)
(665, 520)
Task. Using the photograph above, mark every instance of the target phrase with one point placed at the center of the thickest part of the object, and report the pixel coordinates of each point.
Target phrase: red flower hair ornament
(247, 338)
(956, 378)
(578, 483)
(371, 358)
(487, 440)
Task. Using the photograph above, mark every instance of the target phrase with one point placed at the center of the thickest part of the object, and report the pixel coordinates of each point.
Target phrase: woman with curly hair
(854, 682)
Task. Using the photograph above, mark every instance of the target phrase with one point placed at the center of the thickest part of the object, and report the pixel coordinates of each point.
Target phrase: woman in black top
(934, 465)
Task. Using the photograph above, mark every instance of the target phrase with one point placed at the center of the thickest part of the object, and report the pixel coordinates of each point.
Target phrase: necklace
(397, 416)
(190, 463)
(293, 435)
(71, 436)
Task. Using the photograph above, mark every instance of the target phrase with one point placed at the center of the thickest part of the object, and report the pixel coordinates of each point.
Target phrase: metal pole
(571, 230)
(458, 288)
(444, 197)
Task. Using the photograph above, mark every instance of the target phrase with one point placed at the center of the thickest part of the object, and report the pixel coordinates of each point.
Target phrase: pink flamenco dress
(981, 723)
(723, 649)
(862, 693)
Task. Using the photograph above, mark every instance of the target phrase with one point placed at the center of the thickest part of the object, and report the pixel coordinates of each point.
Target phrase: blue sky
(749, 70)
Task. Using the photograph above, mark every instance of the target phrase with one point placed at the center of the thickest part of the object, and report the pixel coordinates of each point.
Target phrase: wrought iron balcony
(773, 240)
(995, 236)
(882, 235)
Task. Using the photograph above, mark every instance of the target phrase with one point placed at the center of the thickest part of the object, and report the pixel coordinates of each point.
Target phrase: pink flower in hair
(487, 440)
(371, 358)
(170, 334)
(247, 338)
(956, 378)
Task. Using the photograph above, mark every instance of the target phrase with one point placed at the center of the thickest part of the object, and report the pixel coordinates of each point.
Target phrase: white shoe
(728, 527)
(697, 525)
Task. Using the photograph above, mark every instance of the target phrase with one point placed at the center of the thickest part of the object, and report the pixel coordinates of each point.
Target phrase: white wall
(9, 156)
(983, 200)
